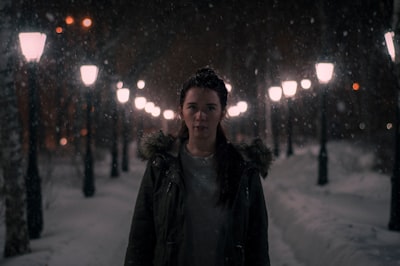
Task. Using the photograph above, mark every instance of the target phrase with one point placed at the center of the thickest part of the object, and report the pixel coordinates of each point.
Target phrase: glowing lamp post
(324, 74)
(140, 104)
(394, 221)
(123, 97)
(32, 46)
(289, 90)
(89, 76)
(275, 94)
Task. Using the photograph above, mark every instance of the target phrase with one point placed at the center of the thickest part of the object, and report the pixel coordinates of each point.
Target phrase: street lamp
(32, 46)
(289, 90)
(167, 115)
(394, 222)
(140, 104)
(275, 94)
(123, 97)
(114, 138)
(324, 73)
(89, 76)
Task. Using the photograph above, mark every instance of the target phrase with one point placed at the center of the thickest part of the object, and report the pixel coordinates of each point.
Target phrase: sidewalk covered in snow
(342, 223)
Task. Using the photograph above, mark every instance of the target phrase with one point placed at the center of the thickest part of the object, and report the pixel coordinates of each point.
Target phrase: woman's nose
(200, 115)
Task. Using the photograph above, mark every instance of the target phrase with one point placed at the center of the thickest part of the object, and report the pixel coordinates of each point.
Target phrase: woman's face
(202, 112)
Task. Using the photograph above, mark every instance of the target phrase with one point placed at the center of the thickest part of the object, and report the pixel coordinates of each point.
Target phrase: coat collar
(256, 152)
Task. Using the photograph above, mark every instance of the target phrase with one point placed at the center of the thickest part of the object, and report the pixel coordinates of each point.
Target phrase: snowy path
(279, 251)
(94, 231)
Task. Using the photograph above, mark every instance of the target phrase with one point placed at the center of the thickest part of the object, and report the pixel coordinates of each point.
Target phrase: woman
(200, 201)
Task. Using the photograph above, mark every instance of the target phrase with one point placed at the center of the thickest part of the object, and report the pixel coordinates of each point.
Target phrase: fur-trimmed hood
(255, 152)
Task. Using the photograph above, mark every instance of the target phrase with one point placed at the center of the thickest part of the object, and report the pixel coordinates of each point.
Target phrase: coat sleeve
(256, 247)
(141, 243)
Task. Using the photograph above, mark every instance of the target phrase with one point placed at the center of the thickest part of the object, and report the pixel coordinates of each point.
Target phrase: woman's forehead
(199, 94)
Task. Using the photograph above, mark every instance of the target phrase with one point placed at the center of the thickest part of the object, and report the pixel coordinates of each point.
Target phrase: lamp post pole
(32, 45)
(324, 74)
(89, 76)
(140, 105)
(123, 97)
(394, 220)
(114, 144)
(289, 89)
(323, 154)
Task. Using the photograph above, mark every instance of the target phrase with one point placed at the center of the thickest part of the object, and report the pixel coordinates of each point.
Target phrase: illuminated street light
(149, 107)
(389, 36)
(394, 221)
(87, 22)
(69, 20)
(233, 111)
(32, 46)
(123, 95)
(141, 84)
(289, 90)
(89, 76)
(305, 84)
(242, 105)
(156, 111)
(324, 73)
(275, 94)
(140, 102)
(168, 114)
(228, 87)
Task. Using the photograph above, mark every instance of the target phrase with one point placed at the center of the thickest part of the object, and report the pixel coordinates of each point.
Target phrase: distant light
(242, 105)
(289, 87)
(141, 84)
(168, 114)
(59, 30)
(87, 22)
(362, 126)
(389, 126)
(275, 93)
(156, 111)
(84, 132)
(123, 95)
(233, 111)
(69, 20)
(89, 74)
(63, 141)
(32, 45)
(149, 107)
(228, 87)
(305, 84)
(140, 102)
(390, 44)
(324, 71)
(120, 84)
(355, 86)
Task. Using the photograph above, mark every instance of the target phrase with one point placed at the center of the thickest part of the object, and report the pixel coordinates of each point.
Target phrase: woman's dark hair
(227, 169)
(204, 78)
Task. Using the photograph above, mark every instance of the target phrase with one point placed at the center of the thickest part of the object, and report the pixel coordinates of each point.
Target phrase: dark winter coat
(156, 236)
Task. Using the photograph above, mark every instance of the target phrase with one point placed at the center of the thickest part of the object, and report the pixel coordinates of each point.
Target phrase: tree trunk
(17, 240)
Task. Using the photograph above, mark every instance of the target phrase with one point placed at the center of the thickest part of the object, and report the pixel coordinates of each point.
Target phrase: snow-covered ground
(343, 223)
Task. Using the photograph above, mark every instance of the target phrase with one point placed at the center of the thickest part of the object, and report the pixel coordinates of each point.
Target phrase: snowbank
(342, 223)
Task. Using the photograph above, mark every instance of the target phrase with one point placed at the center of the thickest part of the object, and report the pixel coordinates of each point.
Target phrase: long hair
(227, 157)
